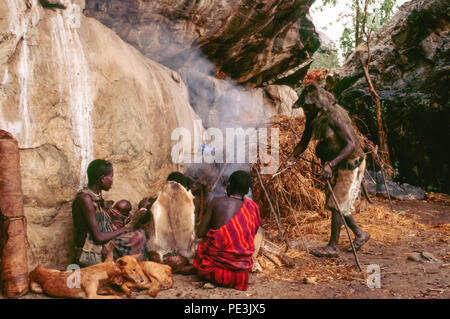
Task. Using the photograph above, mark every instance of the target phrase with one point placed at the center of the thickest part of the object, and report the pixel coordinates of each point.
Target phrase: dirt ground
(411, 226)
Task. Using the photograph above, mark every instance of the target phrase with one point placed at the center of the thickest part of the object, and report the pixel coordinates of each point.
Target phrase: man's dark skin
(84, 207)
(334, 148)
(220, 210)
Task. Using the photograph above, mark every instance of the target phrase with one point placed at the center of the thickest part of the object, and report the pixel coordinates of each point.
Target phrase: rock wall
(411, 71)
(223, 49)
(70, 91)
(252, 42)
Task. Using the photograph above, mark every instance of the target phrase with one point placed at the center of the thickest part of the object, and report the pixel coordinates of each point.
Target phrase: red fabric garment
(225, 255)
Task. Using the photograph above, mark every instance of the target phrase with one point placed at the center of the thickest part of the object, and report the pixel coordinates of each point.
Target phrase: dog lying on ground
(156, 276)
(56, 283)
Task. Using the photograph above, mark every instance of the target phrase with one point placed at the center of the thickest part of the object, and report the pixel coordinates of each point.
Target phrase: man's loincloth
(347, 186)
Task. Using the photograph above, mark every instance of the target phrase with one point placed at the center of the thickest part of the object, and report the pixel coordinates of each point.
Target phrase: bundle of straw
(290, 189)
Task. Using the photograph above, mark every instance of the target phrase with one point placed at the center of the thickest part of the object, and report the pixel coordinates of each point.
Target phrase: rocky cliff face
(411, 71)
(222, 49)
(71, 90)
(252, 42)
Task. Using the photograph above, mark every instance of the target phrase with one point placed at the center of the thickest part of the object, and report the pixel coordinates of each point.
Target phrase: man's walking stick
(345, 224)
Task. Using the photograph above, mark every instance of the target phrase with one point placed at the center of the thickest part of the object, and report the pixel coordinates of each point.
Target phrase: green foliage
(347, 41)
(373, 110)
(383, 107)
(396, 164)
(332, 2)
(386, 11)
(325, 59)
(378, 13)
(48, 5)
(396, 172)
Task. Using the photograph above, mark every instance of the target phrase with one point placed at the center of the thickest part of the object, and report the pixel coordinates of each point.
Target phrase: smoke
(227, 108)
(169, 37)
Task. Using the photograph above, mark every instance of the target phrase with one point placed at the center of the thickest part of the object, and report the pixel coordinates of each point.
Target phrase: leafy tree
(369, 23)
(377, 13)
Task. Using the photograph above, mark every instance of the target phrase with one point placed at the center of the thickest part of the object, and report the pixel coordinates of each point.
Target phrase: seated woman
(94, 227)
(228, 228)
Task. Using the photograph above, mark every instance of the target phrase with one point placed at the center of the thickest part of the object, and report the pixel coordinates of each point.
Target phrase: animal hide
(173, 227)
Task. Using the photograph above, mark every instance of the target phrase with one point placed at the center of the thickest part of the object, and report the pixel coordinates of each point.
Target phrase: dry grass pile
(291, 189)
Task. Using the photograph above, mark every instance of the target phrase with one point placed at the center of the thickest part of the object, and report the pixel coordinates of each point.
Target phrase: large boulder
(253, 42)
(410, 69)
(223, 51)
(71, 90)
(377, 184)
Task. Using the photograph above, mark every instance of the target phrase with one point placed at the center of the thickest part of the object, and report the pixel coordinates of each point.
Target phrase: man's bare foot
(326, 251)
(359, 241)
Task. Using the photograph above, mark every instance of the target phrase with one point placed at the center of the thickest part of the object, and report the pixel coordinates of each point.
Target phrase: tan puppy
(55, 283)
(156, 276)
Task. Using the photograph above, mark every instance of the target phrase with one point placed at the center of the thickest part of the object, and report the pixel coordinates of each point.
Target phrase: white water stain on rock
(21, 23)
(25, 105)
(16, 25)
(5, 77)
(22, 26)
(74, 83)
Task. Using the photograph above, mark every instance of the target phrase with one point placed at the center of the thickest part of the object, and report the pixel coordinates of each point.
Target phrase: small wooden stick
(282, 171)
(301, 237)
(374, 181)
(385, 185)
(220, 175)
(267, 255)
(346, 227)
(280, 234)
(279, 218)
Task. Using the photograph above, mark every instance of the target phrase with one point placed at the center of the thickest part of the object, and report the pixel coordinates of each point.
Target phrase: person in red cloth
(227, 232)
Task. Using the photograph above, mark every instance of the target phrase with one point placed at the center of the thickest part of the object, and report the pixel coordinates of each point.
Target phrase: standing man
(344, 160)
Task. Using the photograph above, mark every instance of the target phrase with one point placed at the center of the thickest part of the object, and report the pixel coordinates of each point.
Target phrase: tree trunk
(382, 137)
